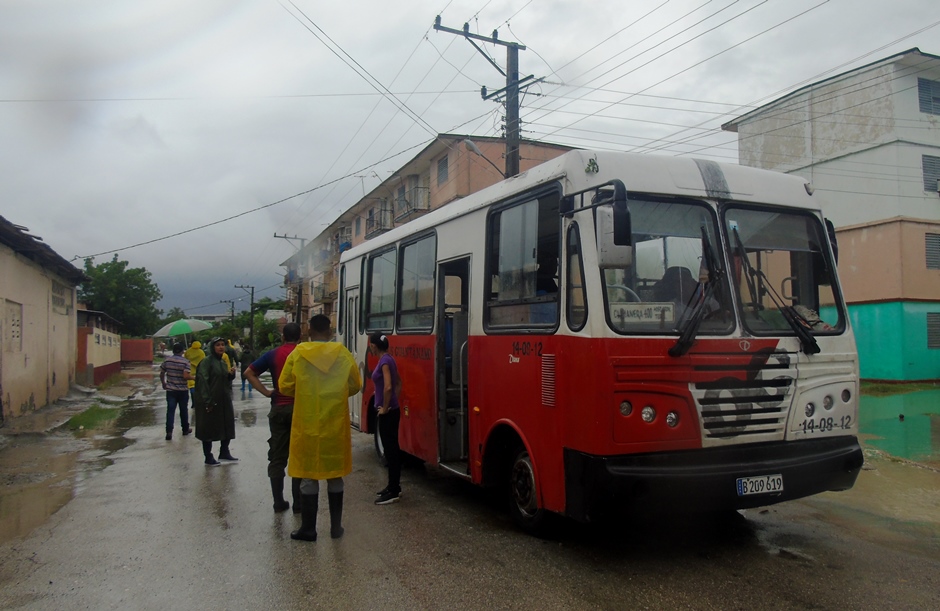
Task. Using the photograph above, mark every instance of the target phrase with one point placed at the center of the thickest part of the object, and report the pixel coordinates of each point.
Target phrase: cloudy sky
(183, 135)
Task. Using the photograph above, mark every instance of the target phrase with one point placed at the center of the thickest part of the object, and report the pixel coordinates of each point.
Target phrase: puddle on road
(40, 473)
(915, 437)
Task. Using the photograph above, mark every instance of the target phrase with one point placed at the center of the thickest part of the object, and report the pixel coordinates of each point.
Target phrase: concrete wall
(137, 351)
(887, 261)
(37, 335)
(104, 348)
(892, 341)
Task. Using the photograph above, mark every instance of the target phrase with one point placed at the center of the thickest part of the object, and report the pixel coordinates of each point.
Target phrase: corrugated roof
(34, 249)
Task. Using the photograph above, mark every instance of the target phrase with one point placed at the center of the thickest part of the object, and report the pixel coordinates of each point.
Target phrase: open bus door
(453, 324)
(351, 341)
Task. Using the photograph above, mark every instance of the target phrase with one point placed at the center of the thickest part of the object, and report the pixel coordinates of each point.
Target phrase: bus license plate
(760, 485)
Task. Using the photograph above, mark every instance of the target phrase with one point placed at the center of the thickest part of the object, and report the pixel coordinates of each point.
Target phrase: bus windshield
(668, 278)
(782, 272)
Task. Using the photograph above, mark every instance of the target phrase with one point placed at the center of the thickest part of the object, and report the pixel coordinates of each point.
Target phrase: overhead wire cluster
(553, 116)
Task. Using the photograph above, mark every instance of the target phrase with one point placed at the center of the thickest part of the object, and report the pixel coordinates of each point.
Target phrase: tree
(173, 315)
(127, 295)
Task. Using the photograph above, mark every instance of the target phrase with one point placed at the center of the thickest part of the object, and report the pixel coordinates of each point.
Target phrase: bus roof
(582, 169)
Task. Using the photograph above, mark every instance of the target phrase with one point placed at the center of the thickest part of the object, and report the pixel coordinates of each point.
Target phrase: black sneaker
(384, 491)
(228, 458)
(169, 436)
(211, 462)
(388, 498)
(187, 430)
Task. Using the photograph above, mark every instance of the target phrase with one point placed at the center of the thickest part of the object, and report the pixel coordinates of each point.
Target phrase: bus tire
(377, 439)
(523, 496)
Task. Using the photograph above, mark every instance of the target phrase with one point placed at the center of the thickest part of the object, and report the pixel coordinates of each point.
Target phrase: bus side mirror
(611, 226)
(623, 232)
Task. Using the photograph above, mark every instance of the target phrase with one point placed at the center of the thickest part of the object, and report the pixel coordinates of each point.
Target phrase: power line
(830, 70)
(240, 214)
(709, 58)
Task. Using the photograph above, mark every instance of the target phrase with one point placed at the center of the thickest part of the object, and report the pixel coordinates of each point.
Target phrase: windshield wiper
(749, 272)
(801, 327)
(693, 320)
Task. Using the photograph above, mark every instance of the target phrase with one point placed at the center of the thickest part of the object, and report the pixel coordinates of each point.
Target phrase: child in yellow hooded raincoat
(194, 354)
(320, 375)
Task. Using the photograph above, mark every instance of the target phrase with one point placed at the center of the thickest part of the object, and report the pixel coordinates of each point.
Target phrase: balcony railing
(325, 289)
(416, 202)
(380, 221)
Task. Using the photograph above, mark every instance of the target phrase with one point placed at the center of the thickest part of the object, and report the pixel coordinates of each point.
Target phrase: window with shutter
(931, 172)
(928, 95)
(933, 330)
(932, 246)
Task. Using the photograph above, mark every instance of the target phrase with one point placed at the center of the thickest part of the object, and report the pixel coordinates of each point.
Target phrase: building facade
(448, 169)
(38, 324)
(869, 142)
(98, 353)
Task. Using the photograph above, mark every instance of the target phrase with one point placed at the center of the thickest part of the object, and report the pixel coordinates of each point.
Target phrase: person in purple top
(387, 390)
(280, 416)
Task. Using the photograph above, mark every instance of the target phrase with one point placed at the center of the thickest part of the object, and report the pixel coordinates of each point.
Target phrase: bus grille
(758, 404)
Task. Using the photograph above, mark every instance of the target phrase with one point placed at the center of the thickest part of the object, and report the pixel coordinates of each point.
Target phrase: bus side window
(576, 299)
(522, 253)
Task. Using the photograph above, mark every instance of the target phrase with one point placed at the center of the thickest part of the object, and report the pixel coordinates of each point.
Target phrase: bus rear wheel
(377, 439)
(523, 496)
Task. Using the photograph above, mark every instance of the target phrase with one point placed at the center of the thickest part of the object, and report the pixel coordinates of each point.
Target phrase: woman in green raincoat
(215, 414)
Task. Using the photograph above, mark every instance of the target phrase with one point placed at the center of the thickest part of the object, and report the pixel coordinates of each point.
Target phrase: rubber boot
(308, 524)
(295, 493)
(277, 490)
(336, 514)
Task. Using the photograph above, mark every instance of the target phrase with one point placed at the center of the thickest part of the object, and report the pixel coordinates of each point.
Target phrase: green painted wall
(892, 341)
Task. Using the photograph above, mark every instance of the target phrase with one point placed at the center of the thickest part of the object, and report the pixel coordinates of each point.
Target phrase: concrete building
(869, 141)
(446, 170)
(38, 324)
(99, 347)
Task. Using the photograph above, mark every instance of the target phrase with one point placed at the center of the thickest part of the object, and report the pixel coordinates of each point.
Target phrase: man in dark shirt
(280, 416)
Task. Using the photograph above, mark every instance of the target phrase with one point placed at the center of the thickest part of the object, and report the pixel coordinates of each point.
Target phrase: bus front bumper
(707, 479)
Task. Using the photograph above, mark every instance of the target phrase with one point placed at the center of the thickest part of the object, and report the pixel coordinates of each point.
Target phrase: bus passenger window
(416, 306)
(522, 256)
(380, 292)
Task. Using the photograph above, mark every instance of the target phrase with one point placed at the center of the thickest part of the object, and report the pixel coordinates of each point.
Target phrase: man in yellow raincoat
(320, 375)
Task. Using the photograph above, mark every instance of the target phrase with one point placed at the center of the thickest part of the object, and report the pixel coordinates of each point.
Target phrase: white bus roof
(654, 174)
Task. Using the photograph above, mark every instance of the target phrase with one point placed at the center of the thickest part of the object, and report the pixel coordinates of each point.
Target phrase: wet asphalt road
(148, 526)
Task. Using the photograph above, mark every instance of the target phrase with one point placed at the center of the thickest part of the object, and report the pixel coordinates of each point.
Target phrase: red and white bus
(610, 329)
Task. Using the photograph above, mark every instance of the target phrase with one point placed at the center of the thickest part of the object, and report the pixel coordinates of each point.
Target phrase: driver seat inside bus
(677, 285)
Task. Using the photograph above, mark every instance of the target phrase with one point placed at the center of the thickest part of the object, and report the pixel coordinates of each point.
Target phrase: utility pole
(300, 283)
(251, 314)
(231, 303)
(512, 87)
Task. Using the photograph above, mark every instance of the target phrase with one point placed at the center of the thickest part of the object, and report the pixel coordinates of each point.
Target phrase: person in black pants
(387, 390)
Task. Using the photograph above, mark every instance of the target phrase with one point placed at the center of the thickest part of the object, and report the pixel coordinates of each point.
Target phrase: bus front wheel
(523, 495)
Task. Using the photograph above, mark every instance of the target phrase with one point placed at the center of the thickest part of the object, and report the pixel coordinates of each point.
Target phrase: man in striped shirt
(174, 372)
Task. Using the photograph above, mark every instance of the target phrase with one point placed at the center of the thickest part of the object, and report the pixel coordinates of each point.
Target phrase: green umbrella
(183, 326)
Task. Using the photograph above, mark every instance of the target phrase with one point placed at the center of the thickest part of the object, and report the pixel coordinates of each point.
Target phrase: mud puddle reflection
(40, 473)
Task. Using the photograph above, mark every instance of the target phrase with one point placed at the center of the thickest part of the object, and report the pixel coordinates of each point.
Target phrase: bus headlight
(648, 413)
(810, 409)
(626, 408)
(828, 402)
(672, 419)
(846, 395)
